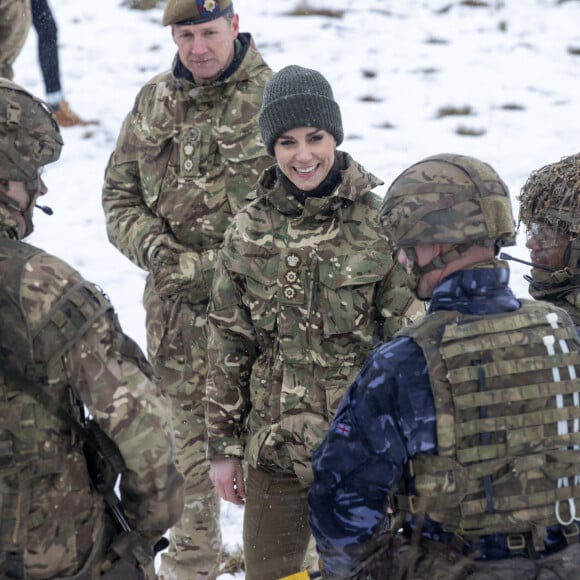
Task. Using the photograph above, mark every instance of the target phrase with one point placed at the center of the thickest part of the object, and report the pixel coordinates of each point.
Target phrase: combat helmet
(29, 135)
(448, 198)
(551, 196)
(29, 139)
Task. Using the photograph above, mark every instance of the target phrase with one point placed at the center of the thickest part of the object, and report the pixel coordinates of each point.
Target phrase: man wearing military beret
(187, 156)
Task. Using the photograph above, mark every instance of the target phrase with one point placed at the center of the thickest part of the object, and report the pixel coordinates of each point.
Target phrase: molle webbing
(501, 452)
(67, 321)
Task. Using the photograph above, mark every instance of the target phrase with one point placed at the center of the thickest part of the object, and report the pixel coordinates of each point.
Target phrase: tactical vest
(508, 422)
(33, 442)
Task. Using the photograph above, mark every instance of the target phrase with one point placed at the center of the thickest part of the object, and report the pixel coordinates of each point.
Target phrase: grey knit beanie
(298, 97)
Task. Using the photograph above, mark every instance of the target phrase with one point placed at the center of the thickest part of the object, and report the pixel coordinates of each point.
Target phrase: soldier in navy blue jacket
(448, 456)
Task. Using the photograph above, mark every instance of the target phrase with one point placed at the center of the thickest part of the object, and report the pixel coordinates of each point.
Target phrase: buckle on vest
(571, 533)
(516, 543)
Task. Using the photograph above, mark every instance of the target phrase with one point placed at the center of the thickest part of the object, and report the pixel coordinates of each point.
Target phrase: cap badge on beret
(206, 6)
(195, 11)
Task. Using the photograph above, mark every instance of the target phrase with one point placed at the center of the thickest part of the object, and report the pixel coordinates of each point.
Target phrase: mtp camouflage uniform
(15, 20)
(186, 158)
(300, 296)
(551, 197)
(60, 333)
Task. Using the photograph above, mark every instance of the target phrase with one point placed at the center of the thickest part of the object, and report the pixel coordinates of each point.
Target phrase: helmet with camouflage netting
(29, 135)
(551, 195)
(448, 198)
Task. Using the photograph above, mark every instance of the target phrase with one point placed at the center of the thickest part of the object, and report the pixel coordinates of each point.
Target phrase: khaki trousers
(276, 532)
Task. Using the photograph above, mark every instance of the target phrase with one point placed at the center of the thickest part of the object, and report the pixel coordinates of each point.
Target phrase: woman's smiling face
(305, 155)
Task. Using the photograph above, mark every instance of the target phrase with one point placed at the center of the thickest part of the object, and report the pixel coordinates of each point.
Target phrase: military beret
(195, 11)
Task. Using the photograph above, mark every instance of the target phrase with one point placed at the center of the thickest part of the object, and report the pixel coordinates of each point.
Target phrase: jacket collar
(483, 289)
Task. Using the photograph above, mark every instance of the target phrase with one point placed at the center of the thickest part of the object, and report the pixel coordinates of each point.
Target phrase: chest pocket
(347, 290)
(261, 286)
(149, 148)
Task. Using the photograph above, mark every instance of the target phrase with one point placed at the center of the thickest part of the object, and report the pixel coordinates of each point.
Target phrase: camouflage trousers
(436, 561)
(15, 22)
(177, 349)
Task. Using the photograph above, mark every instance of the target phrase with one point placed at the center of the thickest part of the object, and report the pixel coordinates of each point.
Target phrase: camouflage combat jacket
(561, 288)
(301, 295)
(186, 157)
(61, 332)
(573, 300)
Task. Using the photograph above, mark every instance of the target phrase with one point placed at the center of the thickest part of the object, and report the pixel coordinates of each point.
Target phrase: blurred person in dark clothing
(47, 31)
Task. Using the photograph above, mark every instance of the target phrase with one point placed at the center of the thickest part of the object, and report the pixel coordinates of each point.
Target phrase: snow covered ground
(495, 79)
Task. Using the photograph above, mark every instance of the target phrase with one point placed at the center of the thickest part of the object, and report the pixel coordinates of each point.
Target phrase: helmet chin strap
(27, 216)
(438, 262)
(414, 276)
(26, 212)
(572, 255)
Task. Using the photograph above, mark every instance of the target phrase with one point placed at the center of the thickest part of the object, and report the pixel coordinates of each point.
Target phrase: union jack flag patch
(342, 429)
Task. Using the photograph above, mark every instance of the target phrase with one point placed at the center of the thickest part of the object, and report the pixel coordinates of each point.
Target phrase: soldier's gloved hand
(165, 250)
(177, 273)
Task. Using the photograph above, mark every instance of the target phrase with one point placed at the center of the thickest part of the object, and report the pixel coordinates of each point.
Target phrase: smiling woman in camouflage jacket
(304, 287)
